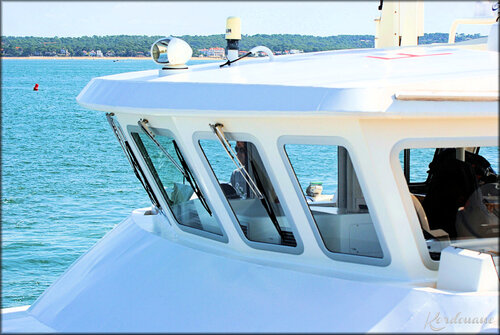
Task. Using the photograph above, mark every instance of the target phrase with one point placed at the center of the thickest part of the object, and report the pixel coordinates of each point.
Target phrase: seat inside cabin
(458, 201)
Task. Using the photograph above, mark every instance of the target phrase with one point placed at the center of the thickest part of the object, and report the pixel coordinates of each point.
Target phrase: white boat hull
(136, 281)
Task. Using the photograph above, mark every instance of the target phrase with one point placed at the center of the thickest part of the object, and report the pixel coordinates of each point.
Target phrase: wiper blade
(267, 205)
(183, 168)
(143, 124)
(132, 160)
(233, 156)
(191, 179)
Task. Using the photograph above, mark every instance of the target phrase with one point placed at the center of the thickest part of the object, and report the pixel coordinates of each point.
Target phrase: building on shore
(63, 52)
(213, 52)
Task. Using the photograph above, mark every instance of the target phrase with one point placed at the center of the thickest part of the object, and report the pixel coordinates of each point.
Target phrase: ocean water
(65, 179)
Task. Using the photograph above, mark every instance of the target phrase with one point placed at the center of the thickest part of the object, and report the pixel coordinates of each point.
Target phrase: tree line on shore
(133, 46)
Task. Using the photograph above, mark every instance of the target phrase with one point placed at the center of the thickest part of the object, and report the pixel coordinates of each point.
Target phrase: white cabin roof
(362, 80)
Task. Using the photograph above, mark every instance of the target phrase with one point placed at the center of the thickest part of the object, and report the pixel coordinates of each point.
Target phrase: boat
(232, 243)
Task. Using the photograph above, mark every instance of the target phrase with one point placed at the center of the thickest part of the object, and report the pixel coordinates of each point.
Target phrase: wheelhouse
(318, 174)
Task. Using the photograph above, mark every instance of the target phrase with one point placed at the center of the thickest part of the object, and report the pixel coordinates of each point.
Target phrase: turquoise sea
(65, 180)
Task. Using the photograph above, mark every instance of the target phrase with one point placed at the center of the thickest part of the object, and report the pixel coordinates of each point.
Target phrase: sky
(324, 18)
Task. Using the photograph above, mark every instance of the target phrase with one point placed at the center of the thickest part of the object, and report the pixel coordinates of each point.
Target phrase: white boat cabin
(346, 191)
(359, 163)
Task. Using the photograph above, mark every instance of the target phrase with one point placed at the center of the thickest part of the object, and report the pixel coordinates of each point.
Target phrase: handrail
(485, 96)
(478, 20)
(254, 51)
(263, 49)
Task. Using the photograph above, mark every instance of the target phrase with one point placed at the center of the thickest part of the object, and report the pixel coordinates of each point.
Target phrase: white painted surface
(155, 285)
(466, 270)
(493, 38)
(18, 320)
(363, 80)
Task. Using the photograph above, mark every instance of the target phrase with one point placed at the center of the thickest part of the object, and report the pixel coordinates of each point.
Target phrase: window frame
(399, 177)
(207, 135)
(161, 196)
(334, 141)
(417, 184)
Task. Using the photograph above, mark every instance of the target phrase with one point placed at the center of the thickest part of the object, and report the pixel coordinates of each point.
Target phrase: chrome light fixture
(171, 53)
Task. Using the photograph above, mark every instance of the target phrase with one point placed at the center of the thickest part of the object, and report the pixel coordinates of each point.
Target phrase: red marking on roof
(403, 55)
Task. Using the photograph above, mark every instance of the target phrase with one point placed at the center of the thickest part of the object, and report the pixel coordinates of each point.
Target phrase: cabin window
(418, 173)
(457, 201)
(334, 197)
(251, 197)
(187, 207)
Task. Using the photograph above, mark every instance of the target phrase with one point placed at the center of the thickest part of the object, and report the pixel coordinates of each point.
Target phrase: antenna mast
(401, 23)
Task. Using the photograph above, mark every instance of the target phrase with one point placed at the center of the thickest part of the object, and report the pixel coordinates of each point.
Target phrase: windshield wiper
(143, 124)
(183, 168)
(267, 205)
(132, 160)
(233, 156)
(190, 179)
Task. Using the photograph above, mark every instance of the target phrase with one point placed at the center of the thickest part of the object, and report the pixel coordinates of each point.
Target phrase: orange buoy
(35, 88)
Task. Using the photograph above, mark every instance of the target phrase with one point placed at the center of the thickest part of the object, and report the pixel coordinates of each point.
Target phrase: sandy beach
(101, 58)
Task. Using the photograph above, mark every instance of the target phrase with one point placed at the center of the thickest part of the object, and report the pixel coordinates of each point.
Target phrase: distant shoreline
(98, 58)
